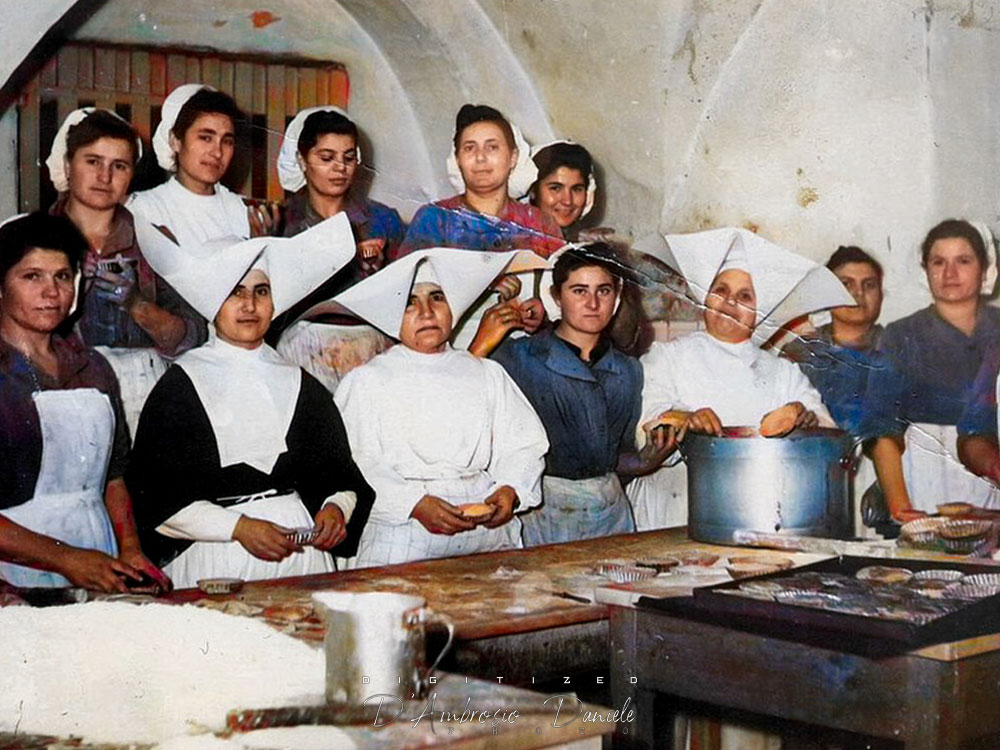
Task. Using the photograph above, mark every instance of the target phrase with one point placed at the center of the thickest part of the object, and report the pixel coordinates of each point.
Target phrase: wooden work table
(509, 620)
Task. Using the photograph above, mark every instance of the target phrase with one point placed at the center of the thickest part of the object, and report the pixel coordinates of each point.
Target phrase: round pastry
(884, 574)
(477, 512)
(954, 509)
(659, 564)
(697, 557)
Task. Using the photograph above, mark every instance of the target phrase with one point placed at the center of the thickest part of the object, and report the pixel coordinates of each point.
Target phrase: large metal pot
(799, 484)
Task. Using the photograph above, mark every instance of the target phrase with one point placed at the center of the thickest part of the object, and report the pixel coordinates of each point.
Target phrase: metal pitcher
(376, 644)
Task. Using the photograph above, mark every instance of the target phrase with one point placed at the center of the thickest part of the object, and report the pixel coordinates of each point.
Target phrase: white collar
(249, 396)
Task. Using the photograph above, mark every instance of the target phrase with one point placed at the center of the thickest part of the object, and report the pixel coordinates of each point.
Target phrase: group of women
(475, 408)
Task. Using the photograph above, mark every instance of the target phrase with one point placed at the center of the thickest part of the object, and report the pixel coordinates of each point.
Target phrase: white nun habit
(193, 219)
(740, 382)
(249, 395)
(445, 424)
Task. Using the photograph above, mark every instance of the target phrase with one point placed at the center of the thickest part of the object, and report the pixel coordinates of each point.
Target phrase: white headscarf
(786, 284)
(56, 161)
(591, 179)
(172, 106)
(522, 176)
(290, 172)
(206, 275)
(463, 276)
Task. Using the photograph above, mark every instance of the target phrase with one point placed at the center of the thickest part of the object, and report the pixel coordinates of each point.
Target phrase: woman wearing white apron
(588, 396)
(434, 427)
(941, 352)
(235, 446)
(720, 376)
(65, 514)
(126, 310)
(195, 143)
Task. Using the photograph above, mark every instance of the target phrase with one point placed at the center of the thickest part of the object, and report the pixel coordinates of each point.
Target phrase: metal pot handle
(849, 461)
(430, 616)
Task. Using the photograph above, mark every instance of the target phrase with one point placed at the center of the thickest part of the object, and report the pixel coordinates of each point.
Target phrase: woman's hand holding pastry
(370, 254)
(786, 418)
(332, 529)
(440, 517)
(497, 322)
(264, 539)
(705, 421)
(507, 286)
(504, 499)
(532, 314)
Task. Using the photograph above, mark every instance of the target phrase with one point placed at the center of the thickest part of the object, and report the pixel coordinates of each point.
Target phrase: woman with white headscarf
(195, 143)
(319, 161)
(451, 446)
(720, 377)
(491, 167)
(566, 186)
(125, 308)
(236, 448)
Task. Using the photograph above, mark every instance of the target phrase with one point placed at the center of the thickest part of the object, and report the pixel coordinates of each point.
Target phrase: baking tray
(842, 631)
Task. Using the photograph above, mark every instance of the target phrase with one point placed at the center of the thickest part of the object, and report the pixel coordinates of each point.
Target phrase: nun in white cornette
(434, 428)
(720, 377)
(195, 143)
(235, 447)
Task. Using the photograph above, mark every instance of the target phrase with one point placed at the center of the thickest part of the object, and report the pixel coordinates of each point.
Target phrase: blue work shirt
(940, 368)
(589, 410)
(841, 375)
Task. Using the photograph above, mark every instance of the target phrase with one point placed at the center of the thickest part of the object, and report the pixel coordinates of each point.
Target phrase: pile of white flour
(115, 672)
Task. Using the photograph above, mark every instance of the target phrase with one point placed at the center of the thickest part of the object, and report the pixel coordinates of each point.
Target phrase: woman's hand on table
(332, 529)
(504, 499)
(905, 515)
(440, 517)
(784, 419)
(95, 570)
(497, 322)
(135, 557)
(264, 539)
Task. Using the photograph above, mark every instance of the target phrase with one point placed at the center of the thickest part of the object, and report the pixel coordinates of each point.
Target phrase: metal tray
(842, 631)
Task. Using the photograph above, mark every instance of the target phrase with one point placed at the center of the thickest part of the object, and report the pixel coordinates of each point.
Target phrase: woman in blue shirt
(588, 396)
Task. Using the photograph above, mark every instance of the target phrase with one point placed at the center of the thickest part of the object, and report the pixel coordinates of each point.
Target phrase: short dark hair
(959, 228)
(571, 155)
(470, 114)
(853, 254)
(322, 123)
(39, 230)
(206, 101)
(599, 254)
(100, 124)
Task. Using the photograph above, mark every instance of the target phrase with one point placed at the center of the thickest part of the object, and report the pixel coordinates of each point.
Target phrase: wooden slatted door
(133, 82)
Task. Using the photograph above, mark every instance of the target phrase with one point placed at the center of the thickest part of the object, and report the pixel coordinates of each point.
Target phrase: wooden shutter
(134, 81)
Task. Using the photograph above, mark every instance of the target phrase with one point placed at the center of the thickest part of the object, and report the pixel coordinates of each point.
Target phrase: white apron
(384, 544)
(934, 475)
(231, 559)
(137, 370)
(659, 500)
(574, 509)
(329, 351)
(78, 428)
